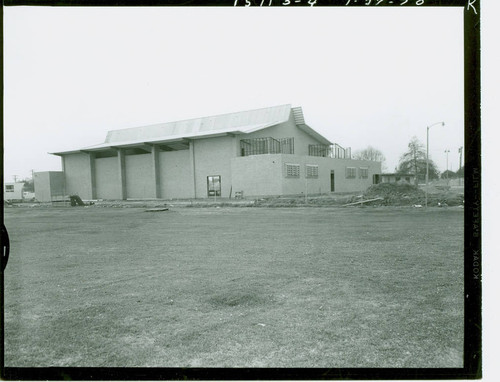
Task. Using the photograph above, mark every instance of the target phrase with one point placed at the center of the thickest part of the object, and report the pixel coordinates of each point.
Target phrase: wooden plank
(362, 201)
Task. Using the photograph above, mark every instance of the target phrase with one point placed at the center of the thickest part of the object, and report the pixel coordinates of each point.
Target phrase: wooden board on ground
(362, 201)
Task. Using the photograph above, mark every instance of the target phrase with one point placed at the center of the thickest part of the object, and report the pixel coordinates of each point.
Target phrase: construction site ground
(439, 194)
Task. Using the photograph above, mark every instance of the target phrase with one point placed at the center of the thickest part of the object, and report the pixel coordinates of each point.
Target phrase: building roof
(243, 122)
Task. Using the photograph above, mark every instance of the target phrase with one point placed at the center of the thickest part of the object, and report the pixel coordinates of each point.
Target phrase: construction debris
(363, 201)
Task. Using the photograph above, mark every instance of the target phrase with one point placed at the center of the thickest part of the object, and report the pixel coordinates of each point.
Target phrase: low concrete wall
(265, 175)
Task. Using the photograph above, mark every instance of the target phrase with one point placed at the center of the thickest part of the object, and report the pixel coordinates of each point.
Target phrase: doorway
(214, 185)
(332, 181)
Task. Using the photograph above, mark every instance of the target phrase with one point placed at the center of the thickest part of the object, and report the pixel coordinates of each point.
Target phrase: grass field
(234, 287)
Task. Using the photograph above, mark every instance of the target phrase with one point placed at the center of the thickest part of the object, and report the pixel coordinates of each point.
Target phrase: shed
(49, 185)
(13, 191)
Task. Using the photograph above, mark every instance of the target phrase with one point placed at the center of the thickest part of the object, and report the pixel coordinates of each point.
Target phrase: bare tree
(414, 162)
(370, 153)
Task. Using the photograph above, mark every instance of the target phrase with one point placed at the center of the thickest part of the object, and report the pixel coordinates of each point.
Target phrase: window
(311, 171)
(9, 188)
(350, 172)
(214, 185)
(292, 170)
(363, 172)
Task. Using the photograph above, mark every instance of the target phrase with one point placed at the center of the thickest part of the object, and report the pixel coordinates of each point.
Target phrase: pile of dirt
(396, 194)
(405, 194)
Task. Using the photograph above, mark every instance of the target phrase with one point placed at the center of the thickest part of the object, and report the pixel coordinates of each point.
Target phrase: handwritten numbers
(248, 3)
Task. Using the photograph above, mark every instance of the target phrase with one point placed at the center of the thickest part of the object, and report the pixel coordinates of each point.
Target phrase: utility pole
(427, 161)
(15, 178)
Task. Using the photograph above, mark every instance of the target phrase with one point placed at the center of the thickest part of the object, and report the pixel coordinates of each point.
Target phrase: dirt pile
(396, 194)
(404, 194)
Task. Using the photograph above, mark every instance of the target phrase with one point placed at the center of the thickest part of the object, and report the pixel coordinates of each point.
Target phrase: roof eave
(308, 130)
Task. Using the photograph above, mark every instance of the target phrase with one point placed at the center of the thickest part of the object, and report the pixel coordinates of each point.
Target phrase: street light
(427, 160)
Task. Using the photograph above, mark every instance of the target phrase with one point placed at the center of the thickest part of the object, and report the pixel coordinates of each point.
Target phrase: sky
(363, 76)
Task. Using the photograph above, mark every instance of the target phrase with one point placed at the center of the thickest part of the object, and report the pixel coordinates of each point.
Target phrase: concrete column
(63, 166)
(155, 150)
(237, 148)
(193, 166)
(122, 181)
(93, 190)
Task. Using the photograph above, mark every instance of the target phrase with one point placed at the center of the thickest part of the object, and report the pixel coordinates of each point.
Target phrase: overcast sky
(373, 76)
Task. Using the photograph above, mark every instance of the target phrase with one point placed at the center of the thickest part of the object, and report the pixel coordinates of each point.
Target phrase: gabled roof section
(298, 116)
(243, 122)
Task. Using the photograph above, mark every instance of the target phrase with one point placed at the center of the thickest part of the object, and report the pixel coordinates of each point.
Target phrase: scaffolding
(267, 145)
(330, 151)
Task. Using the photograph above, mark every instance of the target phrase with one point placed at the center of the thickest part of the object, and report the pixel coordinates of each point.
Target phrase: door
(214, 185)
(332, 181)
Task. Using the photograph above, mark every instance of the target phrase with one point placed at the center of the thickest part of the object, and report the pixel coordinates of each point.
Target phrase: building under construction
(263, 152)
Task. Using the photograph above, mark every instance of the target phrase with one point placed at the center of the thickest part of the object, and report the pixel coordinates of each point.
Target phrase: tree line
(413, 162)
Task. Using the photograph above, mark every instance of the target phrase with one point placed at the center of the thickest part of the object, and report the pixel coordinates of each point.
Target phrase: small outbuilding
(394, 178)
(13, 191)
(49, 185)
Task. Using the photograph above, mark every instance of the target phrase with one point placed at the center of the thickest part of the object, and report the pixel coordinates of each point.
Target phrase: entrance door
(214, 185)
(332, 180)
(376, 178)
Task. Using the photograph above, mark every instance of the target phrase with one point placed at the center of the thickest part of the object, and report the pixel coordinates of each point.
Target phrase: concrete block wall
(106, 171)
(213, 157)
(176, 177)
(265, 175)
(48, 184)
(257, 175)
(77, 175)
(139, 176)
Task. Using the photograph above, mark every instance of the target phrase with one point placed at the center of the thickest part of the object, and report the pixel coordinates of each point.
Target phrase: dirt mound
(404, 194)
(396, 193)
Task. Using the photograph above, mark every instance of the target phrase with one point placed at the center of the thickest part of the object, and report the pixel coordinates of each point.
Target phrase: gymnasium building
(264, 152)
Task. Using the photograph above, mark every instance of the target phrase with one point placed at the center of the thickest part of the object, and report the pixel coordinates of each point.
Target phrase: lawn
(234, 287)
